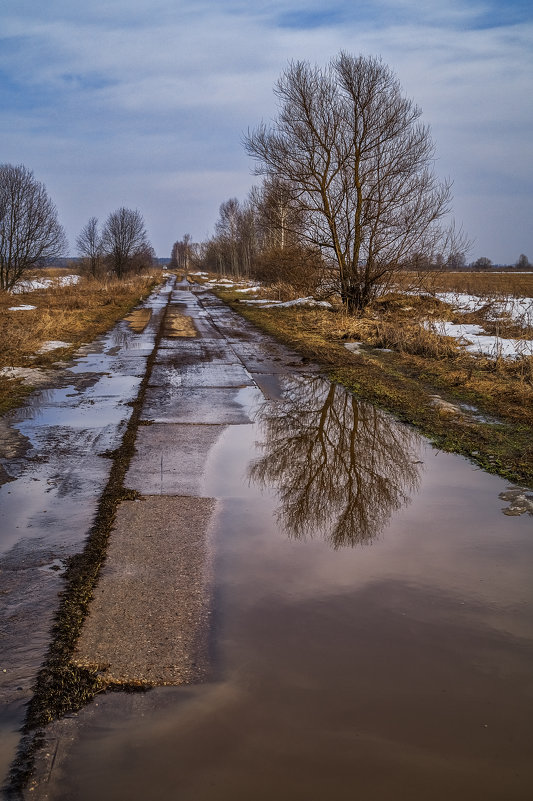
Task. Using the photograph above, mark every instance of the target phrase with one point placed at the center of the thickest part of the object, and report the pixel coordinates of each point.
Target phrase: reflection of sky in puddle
(97, 406)
(56, 504)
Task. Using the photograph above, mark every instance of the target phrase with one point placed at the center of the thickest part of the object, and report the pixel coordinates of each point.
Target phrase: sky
(144, 103)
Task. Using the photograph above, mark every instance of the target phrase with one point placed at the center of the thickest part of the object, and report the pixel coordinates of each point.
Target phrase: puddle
(371, 628)
(54, 472)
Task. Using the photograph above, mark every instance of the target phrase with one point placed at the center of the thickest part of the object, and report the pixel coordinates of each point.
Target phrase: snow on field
(518, 309)
(53, 344)
(249, 289)
(25, 307)
(44, 283)
(267, 304)
(474, 340)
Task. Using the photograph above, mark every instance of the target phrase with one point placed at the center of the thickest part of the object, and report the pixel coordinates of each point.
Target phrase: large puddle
(372, 629)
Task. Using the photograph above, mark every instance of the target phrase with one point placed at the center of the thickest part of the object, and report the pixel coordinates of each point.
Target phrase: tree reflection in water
(340, 466)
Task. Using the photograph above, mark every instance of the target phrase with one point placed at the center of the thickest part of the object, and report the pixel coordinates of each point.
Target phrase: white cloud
(110, 98)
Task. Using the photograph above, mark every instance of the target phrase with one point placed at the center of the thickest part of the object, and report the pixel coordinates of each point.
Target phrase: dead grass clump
(282, 290)
(413, 338)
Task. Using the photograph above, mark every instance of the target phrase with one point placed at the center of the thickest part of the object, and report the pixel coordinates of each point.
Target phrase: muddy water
(373, 627)
(53, 470)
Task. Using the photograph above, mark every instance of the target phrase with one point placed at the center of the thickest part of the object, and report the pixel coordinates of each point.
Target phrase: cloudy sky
(143, 103)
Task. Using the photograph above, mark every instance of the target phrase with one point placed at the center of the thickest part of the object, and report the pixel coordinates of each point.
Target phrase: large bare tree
(30, 232)
(125, 241)
(360, 164)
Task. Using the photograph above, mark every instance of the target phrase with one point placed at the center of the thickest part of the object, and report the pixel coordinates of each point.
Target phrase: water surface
(372, 629)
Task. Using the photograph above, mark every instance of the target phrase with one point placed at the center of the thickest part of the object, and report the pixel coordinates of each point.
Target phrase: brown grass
(73, 314)
(490, 285)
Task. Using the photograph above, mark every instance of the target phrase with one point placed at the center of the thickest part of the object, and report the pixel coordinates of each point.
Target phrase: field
(70, 314)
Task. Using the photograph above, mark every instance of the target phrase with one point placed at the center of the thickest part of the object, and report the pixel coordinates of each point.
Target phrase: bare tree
(523, 262)
(89, 245)
(340, 467)
(360, 164)
(483, 263)
(30, 232)
(456, 260)
(124, 239)
(181, 253)
(279, 216)
(227, 229)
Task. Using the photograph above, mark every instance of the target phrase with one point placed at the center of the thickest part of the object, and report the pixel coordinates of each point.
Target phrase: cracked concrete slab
(149, 619)
(195, 405)
(170, 459)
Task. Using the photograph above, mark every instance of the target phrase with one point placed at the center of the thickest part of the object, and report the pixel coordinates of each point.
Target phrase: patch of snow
(27, 307)
(30, 375)
(324, 304)
(44, 283)
(262, 302)
(53, 344)
(472, 338)
(250, 289)
(353, 347)
(518, 309)
(199, 272)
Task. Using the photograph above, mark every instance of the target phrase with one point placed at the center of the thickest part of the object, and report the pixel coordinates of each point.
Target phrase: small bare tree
(124, 238)
(89, 245)
(181, 253)
(30, 232)
(360, 164)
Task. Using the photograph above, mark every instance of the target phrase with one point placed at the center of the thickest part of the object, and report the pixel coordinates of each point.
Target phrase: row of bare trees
(349, 185)
(121, 244)
(31, 234)
(263, 238)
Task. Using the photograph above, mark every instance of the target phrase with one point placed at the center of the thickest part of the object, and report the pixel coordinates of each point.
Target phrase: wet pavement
(365, 619)
(53, 470)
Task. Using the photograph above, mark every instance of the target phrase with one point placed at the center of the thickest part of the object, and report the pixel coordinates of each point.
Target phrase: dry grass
(489, 285)
(73, 314)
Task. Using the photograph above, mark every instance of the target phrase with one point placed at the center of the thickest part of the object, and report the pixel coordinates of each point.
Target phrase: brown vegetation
(73, 314)
(484, 284)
